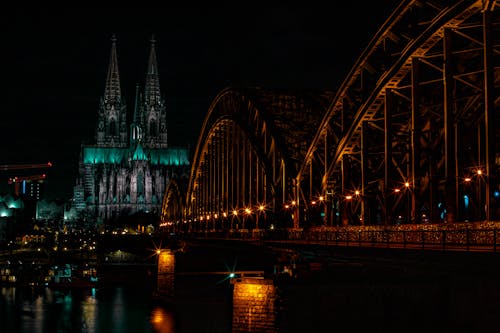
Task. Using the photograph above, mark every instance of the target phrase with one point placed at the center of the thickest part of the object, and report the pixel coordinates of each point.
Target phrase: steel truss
(412, 131)
(412, 135)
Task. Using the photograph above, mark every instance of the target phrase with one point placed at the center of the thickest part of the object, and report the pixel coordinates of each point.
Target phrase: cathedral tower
(154, 112)
(121, 176)
(112, 119)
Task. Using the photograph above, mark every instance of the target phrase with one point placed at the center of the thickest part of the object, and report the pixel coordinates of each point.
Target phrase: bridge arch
(247, 156)
(172, 209)
(412, 134)
(389, 149)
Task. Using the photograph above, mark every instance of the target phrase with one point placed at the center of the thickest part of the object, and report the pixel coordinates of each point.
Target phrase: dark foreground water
(393, 305)
(435, 293)
(24, 309)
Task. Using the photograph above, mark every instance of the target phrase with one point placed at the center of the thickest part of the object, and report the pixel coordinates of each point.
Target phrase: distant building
(129, 167)
(32, 187)
(49, 210)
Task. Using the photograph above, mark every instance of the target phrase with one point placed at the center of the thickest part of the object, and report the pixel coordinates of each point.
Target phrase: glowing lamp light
(294, 203)
(479, 172)
(321, 198)
(348, 197)
(397, 190)
(232, 275)
(467, 180)
(247, 210)
(407, 184)
(261, 208)
(313, 203)
(235, 212)
(356, 192)
(224, 214)
(287, 206)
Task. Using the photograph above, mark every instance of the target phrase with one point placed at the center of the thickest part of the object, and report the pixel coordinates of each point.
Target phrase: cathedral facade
(128, 168)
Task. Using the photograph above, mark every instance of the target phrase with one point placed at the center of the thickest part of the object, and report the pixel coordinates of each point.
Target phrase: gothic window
(152, 128)
(140, 183)
(112, 128)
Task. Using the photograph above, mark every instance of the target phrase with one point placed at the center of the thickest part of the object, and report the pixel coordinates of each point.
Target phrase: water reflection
(336, 297)
(162, 320)
(24, 309)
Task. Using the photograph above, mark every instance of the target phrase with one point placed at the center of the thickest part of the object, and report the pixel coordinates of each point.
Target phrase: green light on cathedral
(124, 171)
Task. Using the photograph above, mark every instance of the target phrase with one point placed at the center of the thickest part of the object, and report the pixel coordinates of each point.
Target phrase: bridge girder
(402, 138)
(249, 148)
(388, 145)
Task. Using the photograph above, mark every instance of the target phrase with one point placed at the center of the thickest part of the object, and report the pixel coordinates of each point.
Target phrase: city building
(128, 168)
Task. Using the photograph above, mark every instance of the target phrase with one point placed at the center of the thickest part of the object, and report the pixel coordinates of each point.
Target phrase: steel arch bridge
(412, 135)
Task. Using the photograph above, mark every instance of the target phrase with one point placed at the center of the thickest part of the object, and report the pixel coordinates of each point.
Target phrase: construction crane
(7, 167)
(26, 178)
(21, 181)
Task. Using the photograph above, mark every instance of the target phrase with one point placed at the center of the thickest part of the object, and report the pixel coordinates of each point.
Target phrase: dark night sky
(55, 62)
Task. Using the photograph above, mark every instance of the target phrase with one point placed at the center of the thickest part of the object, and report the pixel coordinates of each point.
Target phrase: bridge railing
(445, 239)
(462, 240)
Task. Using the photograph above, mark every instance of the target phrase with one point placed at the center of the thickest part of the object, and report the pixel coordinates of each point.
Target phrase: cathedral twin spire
(152, 88)
(112, 91)
(149, 120)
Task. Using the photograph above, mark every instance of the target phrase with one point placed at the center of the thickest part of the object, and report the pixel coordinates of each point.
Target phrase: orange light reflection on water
(162, 320)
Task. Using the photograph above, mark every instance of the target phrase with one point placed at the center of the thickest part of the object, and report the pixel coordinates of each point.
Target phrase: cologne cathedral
(130, 165)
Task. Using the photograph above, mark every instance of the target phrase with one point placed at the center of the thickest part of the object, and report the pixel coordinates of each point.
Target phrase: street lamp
(234, 216)
(261, 210)
(248, 213)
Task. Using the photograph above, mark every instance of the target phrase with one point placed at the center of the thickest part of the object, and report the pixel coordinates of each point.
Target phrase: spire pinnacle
(137, 118)
(112, 89)
(152, 86)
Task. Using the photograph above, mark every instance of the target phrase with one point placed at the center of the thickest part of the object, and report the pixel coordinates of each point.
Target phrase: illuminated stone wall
(166, 273)
(254, 305)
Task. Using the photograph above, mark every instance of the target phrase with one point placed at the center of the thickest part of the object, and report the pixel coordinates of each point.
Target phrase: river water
(464, 305)
(340, 297)
(23, 309)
